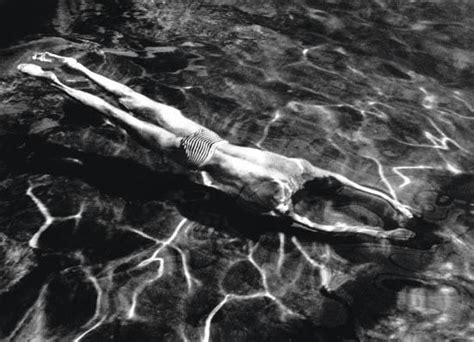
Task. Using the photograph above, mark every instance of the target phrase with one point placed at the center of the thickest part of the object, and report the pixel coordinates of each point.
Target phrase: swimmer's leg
(149, 135)
(170, 118)
(399, 234)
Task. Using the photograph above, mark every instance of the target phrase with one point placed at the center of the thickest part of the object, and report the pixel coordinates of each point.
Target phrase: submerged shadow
(21, 17)
(208, 206)
(135, 182)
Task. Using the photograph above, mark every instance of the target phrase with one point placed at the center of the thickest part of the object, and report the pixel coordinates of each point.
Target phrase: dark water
(102, 240)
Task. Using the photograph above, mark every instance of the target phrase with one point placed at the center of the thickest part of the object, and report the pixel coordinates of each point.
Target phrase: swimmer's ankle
(47, 57)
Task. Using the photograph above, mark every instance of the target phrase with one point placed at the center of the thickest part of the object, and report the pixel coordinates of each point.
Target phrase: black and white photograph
(236, 170)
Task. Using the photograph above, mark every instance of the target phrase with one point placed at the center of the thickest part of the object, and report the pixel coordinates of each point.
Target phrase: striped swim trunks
(199, 147)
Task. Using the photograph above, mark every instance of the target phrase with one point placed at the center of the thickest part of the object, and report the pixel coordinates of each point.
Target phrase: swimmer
(264, 180)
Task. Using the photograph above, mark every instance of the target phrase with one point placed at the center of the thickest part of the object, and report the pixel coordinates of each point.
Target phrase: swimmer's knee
(132, 101)
(140, 103)
(135, 103)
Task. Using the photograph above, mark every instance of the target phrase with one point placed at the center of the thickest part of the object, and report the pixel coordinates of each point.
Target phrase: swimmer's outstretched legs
(149, 135)
(165, 116)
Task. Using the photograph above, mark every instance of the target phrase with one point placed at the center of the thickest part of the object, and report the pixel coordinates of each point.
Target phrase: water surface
(102, 240)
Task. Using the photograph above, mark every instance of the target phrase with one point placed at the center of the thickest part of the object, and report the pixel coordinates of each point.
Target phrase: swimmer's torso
(263, 179)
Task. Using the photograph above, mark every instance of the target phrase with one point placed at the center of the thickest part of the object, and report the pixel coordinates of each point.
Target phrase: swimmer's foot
(399, 234)
(36, 71)
(55, 60)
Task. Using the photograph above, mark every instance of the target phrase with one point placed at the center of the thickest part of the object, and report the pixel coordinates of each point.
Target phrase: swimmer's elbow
(310, 171)
(303, 164)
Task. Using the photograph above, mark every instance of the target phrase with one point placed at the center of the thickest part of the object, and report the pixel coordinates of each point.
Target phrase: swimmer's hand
(399, 234)
(55, 60)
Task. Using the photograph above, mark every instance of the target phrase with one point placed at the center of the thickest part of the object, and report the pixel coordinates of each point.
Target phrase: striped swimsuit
(199, 147)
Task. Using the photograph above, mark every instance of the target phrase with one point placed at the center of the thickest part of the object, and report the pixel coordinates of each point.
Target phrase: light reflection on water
(380, 92)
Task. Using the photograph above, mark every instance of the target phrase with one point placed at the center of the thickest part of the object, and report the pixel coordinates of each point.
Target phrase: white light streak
(48, 218)
(98, 324)
(281, 252)
(407, 180)
(266, 130)
(324, 272)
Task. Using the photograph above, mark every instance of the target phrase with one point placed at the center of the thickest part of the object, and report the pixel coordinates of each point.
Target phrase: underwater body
(104, 240)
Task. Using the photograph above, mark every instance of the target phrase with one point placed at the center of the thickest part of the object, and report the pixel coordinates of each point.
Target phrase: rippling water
(102, 240)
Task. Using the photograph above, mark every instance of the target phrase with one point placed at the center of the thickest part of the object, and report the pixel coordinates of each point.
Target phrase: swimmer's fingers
(399, 234)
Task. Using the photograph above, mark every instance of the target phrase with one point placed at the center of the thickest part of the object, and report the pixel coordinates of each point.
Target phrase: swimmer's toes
(41, 57)
(400, 234)
(55, 60)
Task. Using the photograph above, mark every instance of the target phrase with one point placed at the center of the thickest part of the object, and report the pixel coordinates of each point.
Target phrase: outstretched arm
(400, 234)
(320, 179)
(317, 174)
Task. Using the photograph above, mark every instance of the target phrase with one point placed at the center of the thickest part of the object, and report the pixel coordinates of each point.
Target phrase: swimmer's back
(266, 159)
(264, 180)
